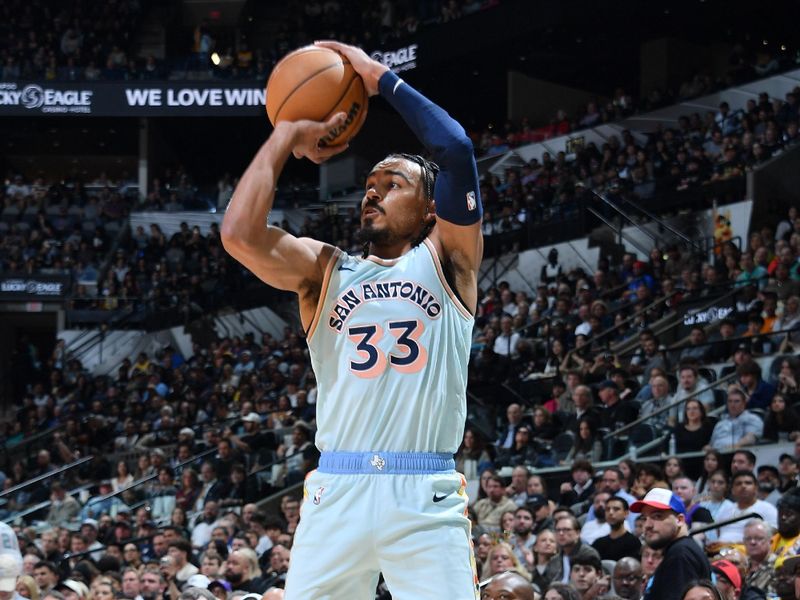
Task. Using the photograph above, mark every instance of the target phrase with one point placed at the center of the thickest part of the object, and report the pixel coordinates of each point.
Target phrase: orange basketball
(315, 83)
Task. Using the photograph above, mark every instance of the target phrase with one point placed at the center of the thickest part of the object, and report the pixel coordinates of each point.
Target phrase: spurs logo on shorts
(378, 462)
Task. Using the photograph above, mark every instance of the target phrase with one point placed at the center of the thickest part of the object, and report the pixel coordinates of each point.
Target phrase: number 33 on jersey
(386, 334)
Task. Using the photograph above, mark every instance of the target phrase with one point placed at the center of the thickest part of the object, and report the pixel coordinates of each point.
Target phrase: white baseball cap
(10, 569)
(197, 580)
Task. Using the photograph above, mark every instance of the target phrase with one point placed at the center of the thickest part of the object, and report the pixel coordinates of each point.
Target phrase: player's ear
(430, 213)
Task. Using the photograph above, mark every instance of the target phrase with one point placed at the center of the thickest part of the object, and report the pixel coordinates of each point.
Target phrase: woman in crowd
(694, 432)
(189, 489)
(673, 468)
(711, 462)
(123, 477)
(472, 454)
(628, 468)
(27, 588)
(507, 521)
(521, 453)
(781, 421)
(715, 499)
(788, 378)
(544, 549)
(543, 427)
(178, 519)
(482, 548)
(501, 558)
(143, 467)
(587, 443)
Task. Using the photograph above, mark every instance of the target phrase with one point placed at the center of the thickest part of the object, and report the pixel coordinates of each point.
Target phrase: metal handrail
(619, 231)
(142, 480)
(47, 475)
(686, 239)
(731, 292)
(625, 215)
(672, 405)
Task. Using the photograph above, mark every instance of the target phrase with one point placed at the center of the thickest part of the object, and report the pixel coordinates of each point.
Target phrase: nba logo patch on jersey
(318, 495)
(472, 204)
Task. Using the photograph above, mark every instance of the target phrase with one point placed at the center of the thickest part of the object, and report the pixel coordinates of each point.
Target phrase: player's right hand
(306, 136)
(369, 69)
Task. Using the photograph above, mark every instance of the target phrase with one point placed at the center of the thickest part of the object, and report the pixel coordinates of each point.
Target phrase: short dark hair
(586, 560)
(751, 458)
(622, 501)
(740, 474)
(183, 545)
(582, 465)
(47, 565)
(749, 368)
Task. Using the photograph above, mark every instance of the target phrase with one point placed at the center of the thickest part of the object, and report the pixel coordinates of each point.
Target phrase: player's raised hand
(306, 136)
(369, 69)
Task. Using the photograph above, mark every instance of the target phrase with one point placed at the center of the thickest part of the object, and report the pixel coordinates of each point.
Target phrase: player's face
(392, 209)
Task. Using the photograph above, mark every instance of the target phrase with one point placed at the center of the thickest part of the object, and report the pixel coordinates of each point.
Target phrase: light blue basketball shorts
(400, 514)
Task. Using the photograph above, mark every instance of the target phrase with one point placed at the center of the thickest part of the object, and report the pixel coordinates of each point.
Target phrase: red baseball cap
(729, 571)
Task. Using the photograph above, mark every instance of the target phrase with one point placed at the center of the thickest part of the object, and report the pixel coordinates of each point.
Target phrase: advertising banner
(34, 287)
(213, 98)
(133, 99)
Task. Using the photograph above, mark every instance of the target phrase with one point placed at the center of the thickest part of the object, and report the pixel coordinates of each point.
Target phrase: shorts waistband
(386, 463)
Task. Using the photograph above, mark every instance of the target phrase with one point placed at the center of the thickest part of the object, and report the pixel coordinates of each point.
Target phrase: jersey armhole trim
(323, 292)
(463, 310)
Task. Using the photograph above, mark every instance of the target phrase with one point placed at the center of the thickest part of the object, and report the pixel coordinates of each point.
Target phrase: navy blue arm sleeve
(457, 193)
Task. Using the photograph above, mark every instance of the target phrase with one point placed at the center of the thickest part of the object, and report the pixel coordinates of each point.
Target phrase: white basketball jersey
(390, 344)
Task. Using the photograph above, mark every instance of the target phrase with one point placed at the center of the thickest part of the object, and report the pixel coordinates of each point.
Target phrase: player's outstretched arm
(273, 255)
(457, 194)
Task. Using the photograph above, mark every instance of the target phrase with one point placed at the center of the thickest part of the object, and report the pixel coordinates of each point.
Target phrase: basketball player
(389, 337)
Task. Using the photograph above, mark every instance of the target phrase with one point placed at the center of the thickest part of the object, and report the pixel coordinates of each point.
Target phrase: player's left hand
(306, 136)
(369, 69)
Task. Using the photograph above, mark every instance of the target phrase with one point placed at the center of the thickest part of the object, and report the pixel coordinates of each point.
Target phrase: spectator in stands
(586, 575)
(698, 348)
(760, 560)
(788, 379)
(523, 540)
(660, 399)
(738, 427)
(690, 382)
(619, 542)
(616, 412)
(759, 392)
(781, 421)
(501, 558)
(472, 456)
(627, 578)
(786, 541)
(517, 489)
(508, 585)
(570, 547)
(744, 493)
(582, 487)
(665, 528)
(63, 507)
(243, 572)
(508, 434)
(591, 530)
(490, 509)
(521, 453)
(694, 432)
(587, 443)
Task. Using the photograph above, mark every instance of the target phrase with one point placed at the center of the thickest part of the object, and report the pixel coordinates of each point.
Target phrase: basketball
(315, 83)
